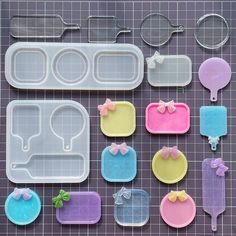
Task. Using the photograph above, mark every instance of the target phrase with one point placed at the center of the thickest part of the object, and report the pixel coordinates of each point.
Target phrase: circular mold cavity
(67, 123)
(70, 66)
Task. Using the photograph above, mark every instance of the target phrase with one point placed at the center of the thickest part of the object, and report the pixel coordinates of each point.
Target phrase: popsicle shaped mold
(169, 165)
(213, 188)
(167, 118)
(213, 123)
(177, 209)
(131, 207)
(118, 163)
(22, 206)
(26, 124)
(117, 119)
(77, 207)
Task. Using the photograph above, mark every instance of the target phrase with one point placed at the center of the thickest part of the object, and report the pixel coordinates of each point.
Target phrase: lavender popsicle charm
(213, 188)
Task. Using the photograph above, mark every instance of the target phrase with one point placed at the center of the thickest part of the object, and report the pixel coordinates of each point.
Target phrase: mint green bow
(62, 196)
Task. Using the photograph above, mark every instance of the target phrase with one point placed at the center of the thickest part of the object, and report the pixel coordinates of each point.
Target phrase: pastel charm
(22, 206)
(177, 195)
(169, 106)
(119, 163)
(167, 118)
(218, 164)
(22, 192)
(115, 148)
(167, 152)
(79, 208)
(131, 207)
(106, 107)
(117, 119)
(169, 165)
(213, 189)
(177, 209)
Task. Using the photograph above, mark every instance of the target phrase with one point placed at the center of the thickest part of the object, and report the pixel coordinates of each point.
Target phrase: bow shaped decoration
(62, 196)
(219, 164)
(122, 192)
(115, 148)
(166, 105)
(151, 61)
(169, 152)
(181, 195)
(24, 192)
(107, 106)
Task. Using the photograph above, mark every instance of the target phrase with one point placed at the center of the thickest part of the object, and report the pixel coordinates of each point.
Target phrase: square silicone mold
(118, 167)
(131, 207)
(120, 122)
(82, 208)
(47, 141)
(177, 122)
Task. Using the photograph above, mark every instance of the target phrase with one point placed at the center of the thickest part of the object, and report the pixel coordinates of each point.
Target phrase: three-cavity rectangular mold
(47, 141)
(77, 66)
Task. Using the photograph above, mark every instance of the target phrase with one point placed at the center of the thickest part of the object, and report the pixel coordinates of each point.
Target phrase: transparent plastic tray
(47, 141)
(74, 66)
(173, 71)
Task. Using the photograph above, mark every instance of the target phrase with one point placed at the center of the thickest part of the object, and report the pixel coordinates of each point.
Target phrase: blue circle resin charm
(22, 206)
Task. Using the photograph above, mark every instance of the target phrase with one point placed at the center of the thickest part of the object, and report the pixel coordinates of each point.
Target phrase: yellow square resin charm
(120, 122)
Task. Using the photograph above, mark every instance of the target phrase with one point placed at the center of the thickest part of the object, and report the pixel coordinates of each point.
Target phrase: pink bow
(169, 152)
(115, 148)
(169, 105)
(108, 105)
(24, 192)
(219, 164)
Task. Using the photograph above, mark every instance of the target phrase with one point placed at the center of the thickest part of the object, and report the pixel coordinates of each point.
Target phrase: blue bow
(118, 196)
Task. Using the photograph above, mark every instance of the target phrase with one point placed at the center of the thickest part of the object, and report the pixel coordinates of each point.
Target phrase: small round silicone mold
(120, 122)
(119, 163)
(175, 122)
(178, 214)
(167, 168)
(22, 211)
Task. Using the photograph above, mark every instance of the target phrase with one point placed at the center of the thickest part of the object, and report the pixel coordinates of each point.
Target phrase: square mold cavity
(119, 167)
(82, 208)
(121, 122)
(133, 207)
(47, 142)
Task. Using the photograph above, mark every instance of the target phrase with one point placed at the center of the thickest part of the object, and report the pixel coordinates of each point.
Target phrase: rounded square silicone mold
(64, 157)
(82, 208)
(121, 122)
(177, 122)
(133, 211)
(119, 167)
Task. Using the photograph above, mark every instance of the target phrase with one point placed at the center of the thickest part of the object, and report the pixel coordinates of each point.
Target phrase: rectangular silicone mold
(177, 122)
(80, 66)
(173, 71)
(82, 208)
(47, 141)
